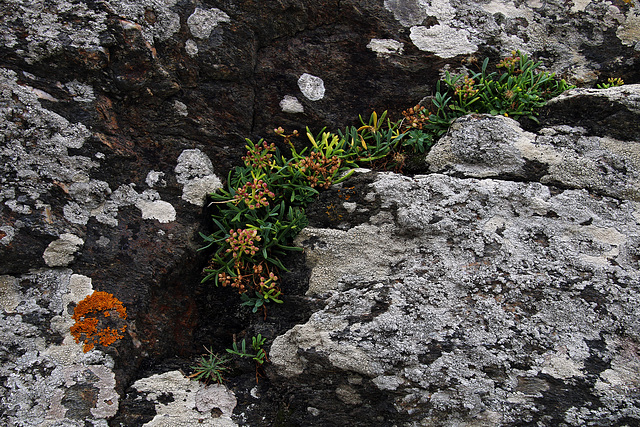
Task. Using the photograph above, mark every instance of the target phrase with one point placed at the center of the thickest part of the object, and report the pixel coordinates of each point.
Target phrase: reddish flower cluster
(92, 316)
(511, 63)
(265, 281)
(319, 169)
(416, 117)
(287, 137)
(261, 157)
(257, 275)
(242, 242)
(466, 88)
(254, 194)
(236, 281)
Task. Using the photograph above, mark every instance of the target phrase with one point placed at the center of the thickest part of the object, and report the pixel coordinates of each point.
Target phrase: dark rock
(613, 112)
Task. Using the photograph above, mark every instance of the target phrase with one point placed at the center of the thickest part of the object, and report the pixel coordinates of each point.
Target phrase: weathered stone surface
(181, 402)
(605, 160)
(612, 111)
(116, 117)
(504, 292)
(47, 379)
(471, 301)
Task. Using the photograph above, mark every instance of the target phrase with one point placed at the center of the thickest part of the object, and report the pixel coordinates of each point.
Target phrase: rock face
(502, 292)
(117, 117)
(600, 155)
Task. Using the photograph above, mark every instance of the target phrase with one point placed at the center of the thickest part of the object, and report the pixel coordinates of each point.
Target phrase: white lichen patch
(508, 10)
(191, 47)
(7, 234)
(442, 10)
(9, 293)
(194, 171)
(203, 21)
(629, 31)
(387, 382)
(192, 402)
(312, 87)
(157, 209)
(155, 178)
(180, 108)
(81, 92)
(414, 12)
(61, 252)
(290, 104)
(196, 190)
(579, 5)
(107, 401)
(443, 40)
(79, 286)
(561, 366)
(95, 203)
(192, 164)
(386, 47)
(623, 375)
(350, 206)
(156, 18)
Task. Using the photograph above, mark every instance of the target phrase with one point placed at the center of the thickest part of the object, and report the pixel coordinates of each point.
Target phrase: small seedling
(210, 367)
(258, 354)
(611, 82)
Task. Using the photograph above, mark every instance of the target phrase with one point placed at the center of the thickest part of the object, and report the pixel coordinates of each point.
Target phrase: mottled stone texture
(469, 301)
(501, 289)
(117, 117)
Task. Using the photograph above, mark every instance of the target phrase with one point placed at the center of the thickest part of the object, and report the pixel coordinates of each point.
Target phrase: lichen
(312, 87)
(92, 315)
(203, 21)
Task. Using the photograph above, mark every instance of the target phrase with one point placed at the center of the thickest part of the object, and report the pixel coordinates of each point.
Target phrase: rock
(563, 153)
(500, 292)
(612, 111)
(179, 401)
(462, 299)
(117, 117)
(47, 377)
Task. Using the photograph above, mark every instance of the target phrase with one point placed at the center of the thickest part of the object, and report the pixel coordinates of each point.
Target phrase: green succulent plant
(262, 208)
(256, 353)
(517, 92)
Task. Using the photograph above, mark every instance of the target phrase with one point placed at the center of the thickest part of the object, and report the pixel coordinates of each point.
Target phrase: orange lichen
(91, 316)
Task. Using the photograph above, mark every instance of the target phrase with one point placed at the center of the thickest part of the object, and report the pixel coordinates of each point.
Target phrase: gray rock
(100, 101)
(48, 380)
(182, 402)
(475, 301)
(498, 293)
(613, 111)
(563, 153)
